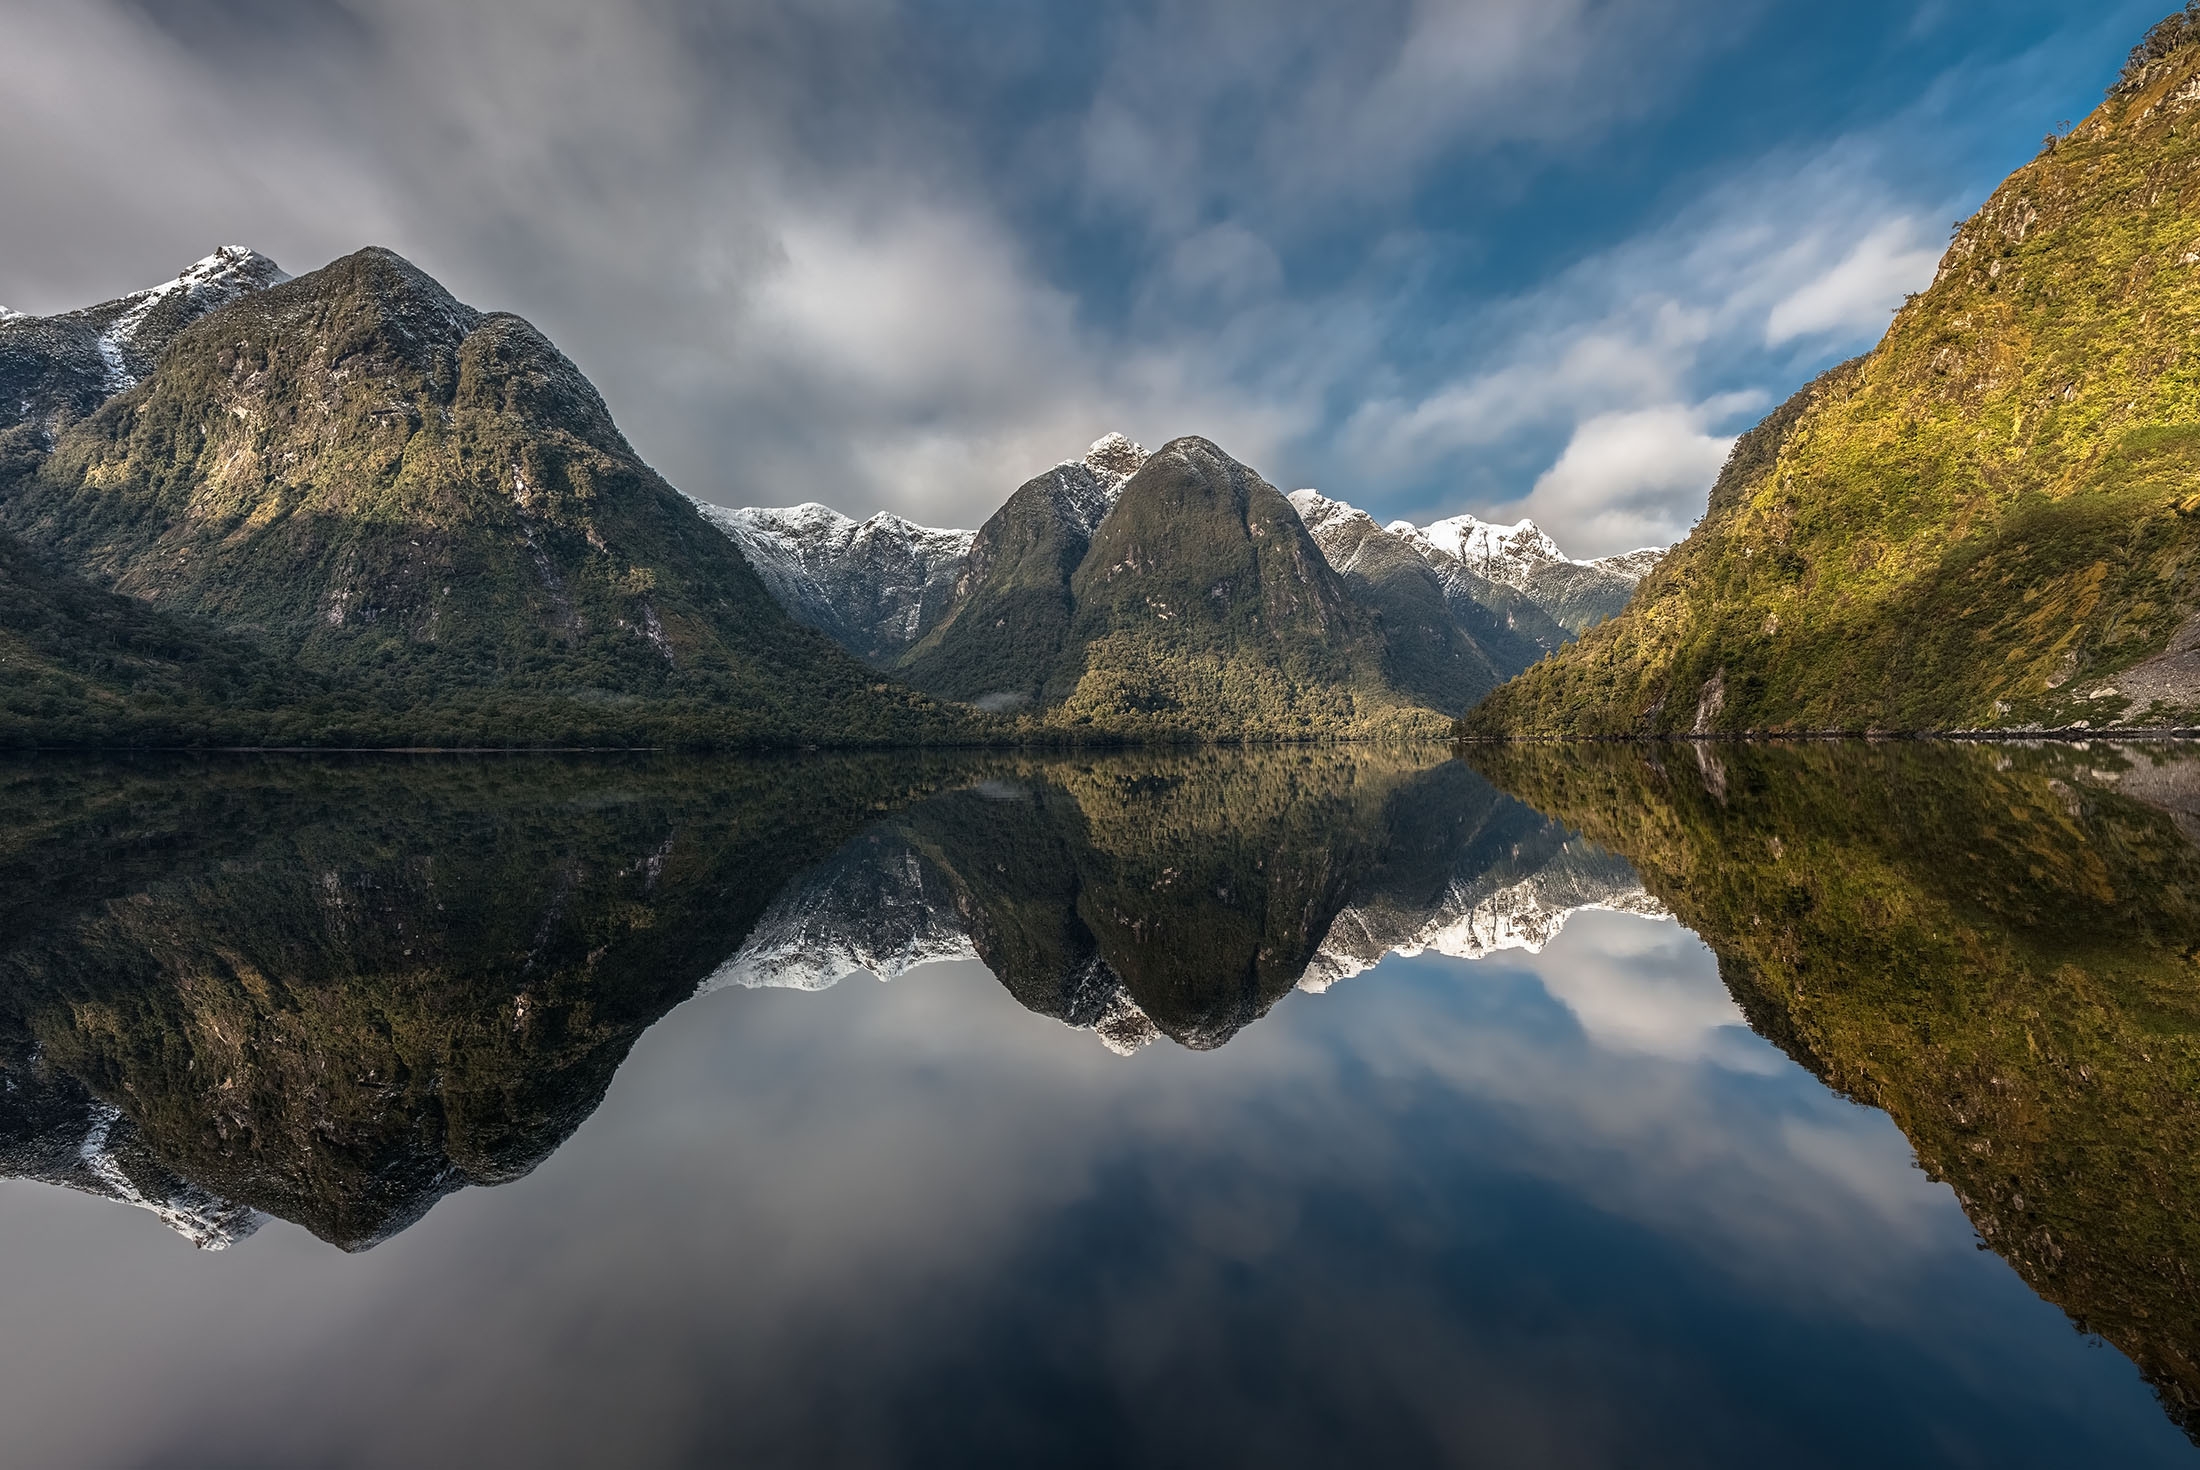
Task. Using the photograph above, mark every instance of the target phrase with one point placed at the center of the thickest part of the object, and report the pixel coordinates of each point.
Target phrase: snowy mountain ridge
(868, 584)
(1521, 556)
(878, 585)
(55, 369)
(145, 320)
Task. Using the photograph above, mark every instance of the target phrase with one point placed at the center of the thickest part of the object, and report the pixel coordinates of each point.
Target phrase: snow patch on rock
(143, 321)
(870, 584)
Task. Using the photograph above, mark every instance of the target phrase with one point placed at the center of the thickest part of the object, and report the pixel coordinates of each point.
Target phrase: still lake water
(1793, 1106)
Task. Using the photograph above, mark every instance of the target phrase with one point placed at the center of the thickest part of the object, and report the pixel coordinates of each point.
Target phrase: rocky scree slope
(364, 476)
(1990, 522)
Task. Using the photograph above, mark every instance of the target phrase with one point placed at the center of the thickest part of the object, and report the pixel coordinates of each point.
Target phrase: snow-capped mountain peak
(57, 369)
(1469, 554)
(142, 322)
(866, 583)
(1321, 513)
(1114, 458)
(1510, 554)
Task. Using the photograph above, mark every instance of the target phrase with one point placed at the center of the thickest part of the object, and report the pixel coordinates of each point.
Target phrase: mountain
(1994, 944)
(879, 586)
(1991, 521)
(1202, 604)
(57, 369)
(1165, 596)
(987, 617)
(1124, 897)
(873, 586)
(432, 507)
(1427, 597)
(1007, 619)
(1577, 595)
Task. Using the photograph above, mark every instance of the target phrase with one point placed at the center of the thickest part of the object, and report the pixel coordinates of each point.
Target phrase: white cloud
(1627, 370)
(797, 273)
(1629, 479)
(1861, 290)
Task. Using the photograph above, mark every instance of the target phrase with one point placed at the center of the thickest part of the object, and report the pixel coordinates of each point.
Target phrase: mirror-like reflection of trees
(335, 991)
(1999, 946)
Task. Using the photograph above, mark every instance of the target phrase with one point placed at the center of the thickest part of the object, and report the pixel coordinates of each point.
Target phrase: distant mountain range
(1992, 522)
(349, 509)
(1432, 616)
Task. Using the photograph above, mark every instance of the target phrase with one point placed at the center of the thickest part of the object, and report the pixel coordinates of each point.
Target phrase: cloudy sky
(1504, 256)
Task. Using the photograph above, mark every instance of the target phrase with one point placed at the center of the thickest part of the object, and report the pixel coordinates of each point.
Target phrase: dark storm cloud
(904, 254)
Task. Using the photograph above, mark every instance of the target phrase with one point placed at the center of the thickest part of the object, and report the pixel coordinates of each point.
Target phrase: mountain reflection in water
(334, 992)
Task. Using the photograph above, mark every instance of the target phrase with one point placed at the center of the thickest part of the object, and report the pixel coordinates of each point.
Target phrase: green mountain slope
(1991, 521)
(434, 507)
(79, 665)
(1204, 604)
(1195, 604)
(1007, 622)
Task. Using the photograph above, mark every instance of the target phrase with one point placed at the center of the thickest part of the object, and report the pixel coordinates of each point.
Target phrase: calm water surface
(1817, 1106)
